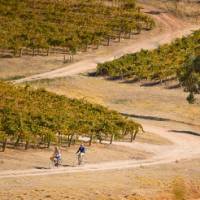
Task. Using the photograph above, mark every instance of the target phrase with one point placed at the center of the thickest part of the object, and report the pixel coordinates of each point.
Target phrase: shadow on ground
(38, 167)
(41, 167)
(146, 117)
(186, 132)
(155, 118)
(155, 12)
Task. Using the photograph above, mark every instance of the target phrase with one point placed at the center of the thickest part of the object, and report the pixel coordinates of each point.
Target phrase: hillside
(42, 27)
(110, 77)
(39, 117)
(159, 64)
(168, 28)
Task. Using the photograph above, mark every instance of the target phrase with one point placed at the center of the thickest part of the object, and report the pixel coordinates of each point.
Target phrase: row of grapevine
(34, 117)
(73, 25)
(158, 64)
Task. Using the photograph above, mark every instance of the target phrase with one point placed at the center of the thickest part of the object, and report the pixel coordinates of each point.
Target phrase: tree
(129, 4)
(37, 117)
(189, 75)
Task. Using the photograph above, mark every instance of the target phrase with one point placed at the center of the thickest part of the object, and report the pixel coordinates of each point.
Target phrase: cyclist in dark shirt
(81, 149)
(81, 153)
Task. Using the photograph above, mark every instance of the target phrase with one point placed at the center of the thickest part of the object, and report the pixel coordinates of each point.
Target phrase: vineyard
(158, 64)
(38, 118)
(35, 27)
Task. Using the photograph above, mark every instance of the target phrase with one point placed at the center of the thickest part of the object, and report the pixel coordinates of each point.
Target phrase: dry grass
(15, 68)
(156, 101)
(189, 10)
(152, 138)
(150, 183)
(149, 138)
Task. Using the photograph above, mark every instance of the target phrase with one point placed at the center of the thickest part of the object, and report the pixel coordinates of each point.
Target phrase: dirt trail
(169, 28)
(184, 146)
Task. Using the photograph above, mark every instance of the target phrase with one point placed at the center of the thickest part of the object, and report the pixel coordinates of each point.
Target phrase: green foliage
(158, 64)
(189, 77)
(71, 24)
(37, 115)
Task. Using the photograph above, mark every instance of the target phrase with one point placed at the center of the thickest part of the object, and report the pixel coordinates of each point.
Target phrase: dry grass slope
(157, 101)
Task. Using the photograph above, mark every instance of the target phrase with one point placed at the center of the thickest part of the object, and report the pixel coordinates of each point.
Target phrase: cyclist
(81, 153)
(56, 157)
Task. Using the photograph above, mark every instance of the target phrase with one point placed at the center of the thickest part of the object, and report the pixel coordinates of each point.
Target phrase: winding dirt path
(168, 28)
(184, 146)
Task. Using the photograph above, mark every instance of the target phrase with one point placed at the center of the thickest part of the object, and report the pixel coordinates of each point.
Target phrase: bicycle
(80, 158)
